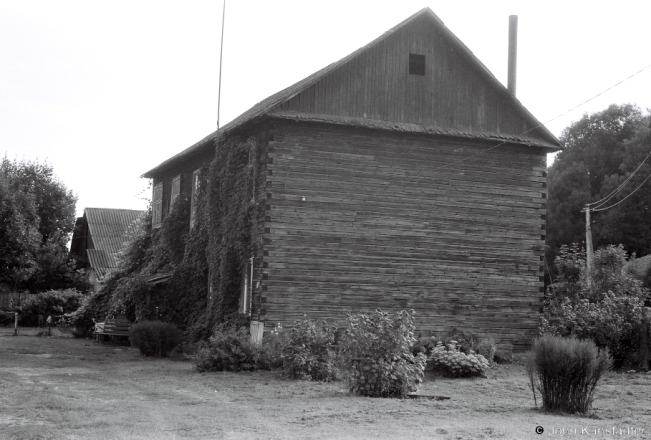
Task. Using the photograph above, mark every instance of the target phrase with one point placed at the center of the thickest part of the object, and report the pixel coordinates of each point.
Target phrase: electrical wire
(551, 120)
(603, 201)
(633, 192)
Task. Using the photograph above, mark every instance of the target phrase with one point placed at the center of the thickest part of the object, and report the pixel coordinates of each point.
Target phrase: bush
(468, 342)
(81, 319)
(377, 354)
(53, 303)
(566, 371)
(307, 351)
(230, 349)
(608, 310)
(451, 360)
(155, 338)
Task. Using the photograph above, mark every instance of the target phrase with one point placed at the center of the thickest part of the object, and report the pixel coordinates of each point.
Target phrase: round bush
(450, 360)
(377, 354)
(155, 338)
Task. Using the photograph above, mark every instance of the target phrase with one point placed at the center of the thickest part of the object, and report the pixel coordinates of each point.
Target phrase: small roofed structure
(99, 236)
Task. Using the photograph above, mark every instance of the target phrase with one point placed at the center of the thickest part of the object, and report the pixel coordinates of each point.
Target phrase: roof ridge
(272, 102)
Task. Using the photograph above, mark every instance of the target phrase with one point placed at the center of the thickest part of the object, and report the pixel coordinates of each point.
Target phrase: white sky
(105, 91)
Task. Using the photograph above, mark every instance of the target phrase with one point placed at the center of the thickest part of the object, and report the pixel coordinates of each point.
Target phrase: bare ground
(64, 388)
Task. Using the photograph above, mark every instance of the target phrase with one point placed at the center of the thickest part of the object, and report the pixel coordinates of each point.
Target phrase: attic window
(416, 64)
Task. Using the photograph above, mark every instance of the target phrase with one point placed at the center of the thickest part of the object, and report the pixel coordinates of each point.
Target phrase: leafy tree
(38, 216)
(19, 235)
(602, 150)
(608, 309)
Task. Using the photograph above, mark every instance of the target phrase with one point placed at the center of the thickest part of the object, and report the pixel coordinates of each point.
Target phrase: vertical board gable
(376, 84)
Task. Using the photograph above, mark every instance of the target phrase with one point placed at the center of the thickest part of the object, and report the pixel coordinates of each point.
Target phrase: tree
(19, 236)
(602, 150)
(38, 216)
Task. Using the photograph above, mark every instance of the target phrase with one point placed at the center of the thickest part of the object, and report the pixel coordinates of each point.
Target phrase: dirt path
(60, 388)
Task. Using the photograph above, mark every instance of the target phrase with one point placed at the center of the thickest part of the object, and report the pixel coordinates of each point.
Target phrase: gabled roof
(109, 230)
(268, 106)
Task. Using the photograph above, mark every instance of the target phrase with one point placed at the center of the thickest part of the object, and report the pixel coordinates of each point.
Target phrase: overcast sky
(105, 91)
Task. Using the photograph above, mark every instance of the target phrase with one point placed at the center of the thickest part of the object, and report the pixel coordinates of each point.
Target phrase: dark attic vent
(416, 64)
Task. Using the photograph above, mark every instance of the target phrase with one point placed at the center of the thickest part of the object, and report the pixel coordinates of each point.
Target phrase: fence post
(16, 324)
(644, 341)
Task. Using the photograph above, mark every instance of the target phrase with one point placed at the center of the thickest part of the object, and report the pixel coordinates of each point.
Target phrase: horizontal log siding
(383, 226)
(376, 84)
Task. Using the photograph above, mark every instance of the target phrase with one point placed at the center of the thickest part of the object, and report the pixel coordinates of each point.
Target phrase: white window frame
(176, 191)
(157, 205)
(193, 196)
(247, 288)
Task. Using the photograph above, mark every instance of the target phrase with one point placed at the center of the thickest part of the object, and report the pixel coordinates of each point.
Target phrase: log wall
(385, 224)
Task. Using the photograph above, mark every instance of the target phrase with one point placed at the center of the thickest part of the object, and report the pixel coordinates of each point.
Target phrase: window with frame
(157, 205)
(176, 191)
(416, 64)
(193, 196)
(247, 287)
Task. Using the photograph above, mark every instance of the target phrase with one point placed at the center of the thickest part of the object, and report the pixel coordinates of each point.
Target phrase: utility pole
(221, 51)
(588, 247)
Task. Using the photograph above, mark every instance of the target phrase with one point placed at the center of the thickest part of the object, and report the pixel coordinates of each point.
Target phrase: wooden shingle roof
(270, 106)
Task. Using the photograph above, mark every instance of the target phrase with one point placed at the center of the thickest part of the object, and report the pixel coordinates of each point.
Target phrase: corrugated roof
(266, 106)
(101, 262)
(110, 230)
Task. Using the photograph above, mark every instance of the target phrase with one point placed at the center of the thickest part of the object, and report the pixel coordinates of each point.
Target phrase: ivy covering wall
(205, 262)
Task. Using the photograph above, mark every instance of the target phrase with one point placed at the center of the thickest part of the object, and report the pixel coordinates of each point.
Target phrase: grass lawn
(63, 388)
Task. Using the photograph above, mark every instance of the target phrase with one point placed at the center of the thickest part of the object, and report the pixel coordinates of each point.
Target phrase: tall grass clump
(566, 371)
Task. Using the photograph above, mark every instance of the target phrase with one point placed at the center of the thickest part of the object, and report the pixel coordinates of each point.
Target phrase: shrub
(230, 349)
(486, 347)
(155, 338)
(566, 371)
(81, 319)
(608, 310)
(468, 342)
(53, 303)
(377, 354)
(451, 360)
(273, 343)
(307, 351)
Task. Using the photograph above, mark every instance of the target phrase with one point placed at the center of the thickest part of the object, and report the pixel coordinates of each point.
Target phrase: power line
(633, 192)
(603, 201)
(542, 125)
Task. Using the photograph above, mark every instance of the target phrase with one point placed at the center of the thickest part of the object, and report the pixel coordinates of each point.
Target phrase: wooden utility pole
(588, 247)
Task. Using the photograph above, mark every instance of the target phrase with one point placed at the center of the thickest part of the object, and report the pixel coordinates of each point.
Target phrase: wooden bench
(111, 328)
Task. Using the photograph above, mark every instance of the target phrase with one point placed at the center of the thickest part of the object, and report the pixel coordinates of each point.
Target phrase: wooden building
(403, 176)
(99, 235)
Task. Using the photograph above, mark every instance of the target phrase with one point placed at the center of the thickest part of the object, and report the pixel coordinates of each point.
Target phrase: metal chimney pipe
(513, 52)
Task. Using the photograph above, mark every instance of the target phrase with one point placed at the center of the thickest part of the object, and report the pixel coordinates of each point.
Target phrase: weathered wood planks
(384, 224)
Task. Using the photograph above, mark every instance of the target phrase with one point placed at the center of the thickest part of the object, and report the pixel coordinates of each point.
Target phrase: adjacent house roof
(539, 136)
(108, 231)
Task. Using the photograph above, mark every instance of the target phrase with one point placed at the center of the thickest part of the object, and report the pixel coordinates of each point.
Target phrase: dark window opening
(416, 64)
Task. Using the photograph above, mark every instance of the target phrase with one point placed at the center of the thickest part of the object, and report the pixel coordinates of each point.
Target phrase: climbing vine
(204, 263)
(232, 213)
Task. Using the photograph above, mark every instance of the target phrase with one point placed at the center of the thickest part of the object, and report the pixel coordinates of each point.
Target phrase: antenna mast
(221, 51)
